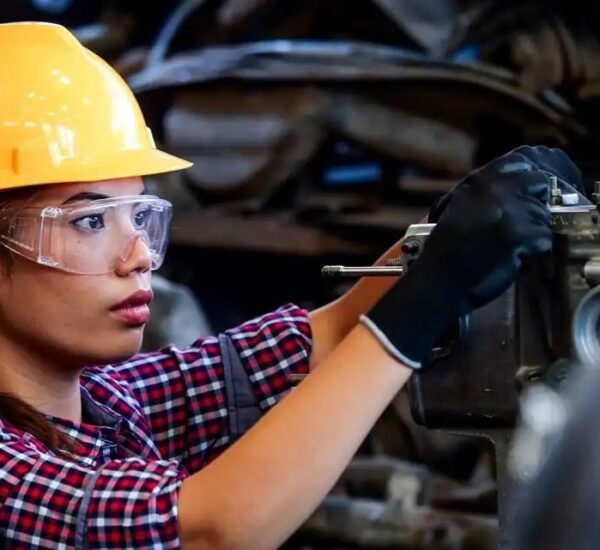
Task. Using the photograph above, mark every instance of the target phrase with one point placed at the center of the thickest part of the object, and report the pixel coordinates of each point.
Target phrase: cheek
(56, 302)
(53, 310)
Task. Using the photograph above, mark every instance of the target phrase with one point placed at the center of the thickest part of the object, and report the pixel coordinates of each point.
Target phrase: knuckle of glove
(514, 162)
(536, 154)
(555, 162)
(535, 185)
(528, 238)
(522, 220)
(533, 153)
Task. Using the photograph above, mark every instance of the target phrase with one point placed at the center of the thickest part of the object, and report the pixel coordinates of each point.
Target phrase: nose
(138, 258)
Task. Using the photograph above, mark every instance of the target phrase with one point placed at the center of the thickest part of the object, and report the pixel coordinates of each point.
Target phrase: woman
(137, 451)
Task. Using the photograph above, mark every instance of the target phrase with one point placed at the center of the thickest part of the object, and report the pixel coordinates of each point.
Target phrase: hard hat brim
(124, 164)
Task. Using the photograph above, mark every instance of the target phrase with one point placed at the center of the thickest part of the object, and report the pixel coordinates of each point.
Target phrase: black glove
(553, 161)
(495, 218)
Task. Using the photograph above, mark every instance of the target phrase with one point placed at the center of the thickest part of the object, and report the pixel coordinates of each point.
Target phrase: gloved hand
(495, 218)
(553, 161)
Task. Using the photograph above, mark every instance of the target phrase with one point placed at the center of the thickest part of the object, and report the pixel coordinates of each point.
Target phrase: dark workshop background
(319, 131)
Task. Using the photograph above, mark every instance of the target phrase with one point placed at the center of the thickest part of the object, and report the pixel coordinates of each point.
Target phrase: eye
(93, 222)
(140, 218)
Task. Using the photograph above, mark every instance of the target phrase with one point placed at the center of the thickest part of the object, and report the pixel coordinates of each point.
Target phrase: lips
(134, 310)
(139, 298)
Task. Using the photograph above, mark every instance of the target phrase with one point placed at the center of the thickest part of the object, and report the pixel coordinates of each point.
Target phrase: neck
(42, 383)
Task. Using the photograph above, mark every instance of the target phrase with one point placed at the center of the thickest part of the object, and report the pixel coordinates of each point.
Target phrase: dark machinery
(543, 326)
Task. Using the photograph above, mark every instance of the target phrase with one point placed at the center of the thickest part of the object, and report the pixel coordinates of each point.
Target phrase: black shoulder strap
(242, 405)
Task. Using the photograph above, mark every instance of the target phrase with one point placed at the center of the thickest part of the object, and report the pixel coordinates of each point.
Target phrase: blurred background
(319, 131)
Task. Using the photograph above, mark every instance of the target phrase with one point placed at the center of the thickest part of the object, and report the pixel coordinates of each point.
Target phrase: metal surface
(586, 325)
(373, 271)
(413, 238)
(591, 271)
(320, 61)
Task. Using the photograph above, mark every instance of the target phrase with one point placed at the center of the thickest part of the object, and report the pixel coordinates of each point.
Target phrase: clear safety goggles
(90, 237)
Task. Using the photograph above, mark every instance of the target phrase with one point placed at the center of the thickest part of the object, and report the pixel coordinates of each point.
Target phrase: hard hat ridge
(66, 115)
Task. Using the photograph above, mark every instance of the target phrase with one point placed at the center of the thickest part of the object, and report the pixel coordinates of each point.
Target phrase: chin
(120, 347)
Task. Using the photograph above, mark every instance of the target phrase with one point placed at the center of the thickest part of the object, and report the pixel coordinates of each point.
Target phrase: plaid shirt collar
(100, 434)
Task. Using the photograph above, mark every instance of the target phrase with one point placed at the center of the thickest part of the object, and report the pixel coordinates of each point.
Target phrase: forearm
(332, 322)
(267, 484)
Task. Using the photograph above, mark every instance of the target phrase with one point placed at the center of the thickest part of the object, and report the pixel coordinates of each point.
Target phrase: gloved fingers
(555, 161)
(535, 240)
(509, 163)
(534, 210)
(551, 162)
(529, 222)
(534, 183)
(510, 201)
(519, 162)
(507, 266)
(518, 170)
(495, 281)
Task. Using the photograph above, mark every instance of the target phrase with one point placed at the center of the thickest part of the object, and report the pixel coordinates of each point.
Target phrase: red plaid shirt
(147, 424)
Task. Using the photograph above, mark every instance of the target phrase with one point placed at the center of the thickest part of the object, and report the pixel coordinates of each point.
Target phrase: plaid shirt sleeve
(48, 502)
(183, 393)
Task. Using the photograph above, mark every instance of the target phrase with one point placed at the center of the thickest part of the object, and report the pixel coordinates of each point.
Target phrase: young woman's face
(80, 319)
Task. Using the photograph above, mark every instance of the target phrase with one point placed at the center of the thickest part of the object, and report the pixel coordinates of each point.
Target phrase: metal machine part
(343, 271)
(551, 313)
(411, 246)
(548, 321)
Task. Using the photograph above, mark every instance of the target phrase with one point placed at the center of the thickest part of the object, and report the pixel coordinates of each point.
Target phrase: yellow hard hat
(66, 115)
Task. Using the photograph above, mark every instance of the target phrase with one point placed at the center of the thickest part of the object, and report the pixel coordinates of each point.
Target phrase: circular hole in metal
(586, 328)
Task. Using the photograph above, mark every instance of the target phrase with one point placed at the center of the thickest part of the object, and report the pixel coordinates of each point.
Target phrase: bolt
(410, 247)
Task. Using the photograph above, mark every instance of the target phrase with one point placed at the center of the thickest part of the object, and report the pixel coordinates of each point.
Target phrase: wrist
(408, 320)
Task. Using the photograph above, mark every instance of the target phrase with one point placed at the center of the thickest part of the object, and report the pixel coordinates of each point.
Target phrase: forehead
(58, 193)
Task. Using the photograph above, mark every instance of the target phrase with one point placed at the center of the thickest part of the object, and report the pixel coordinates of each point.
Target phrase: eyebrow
(88, 196)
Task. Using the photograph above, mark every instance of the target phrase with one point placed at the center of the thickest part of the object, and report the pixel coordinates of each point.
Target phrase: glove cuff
(387, 344)
(409, 318)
